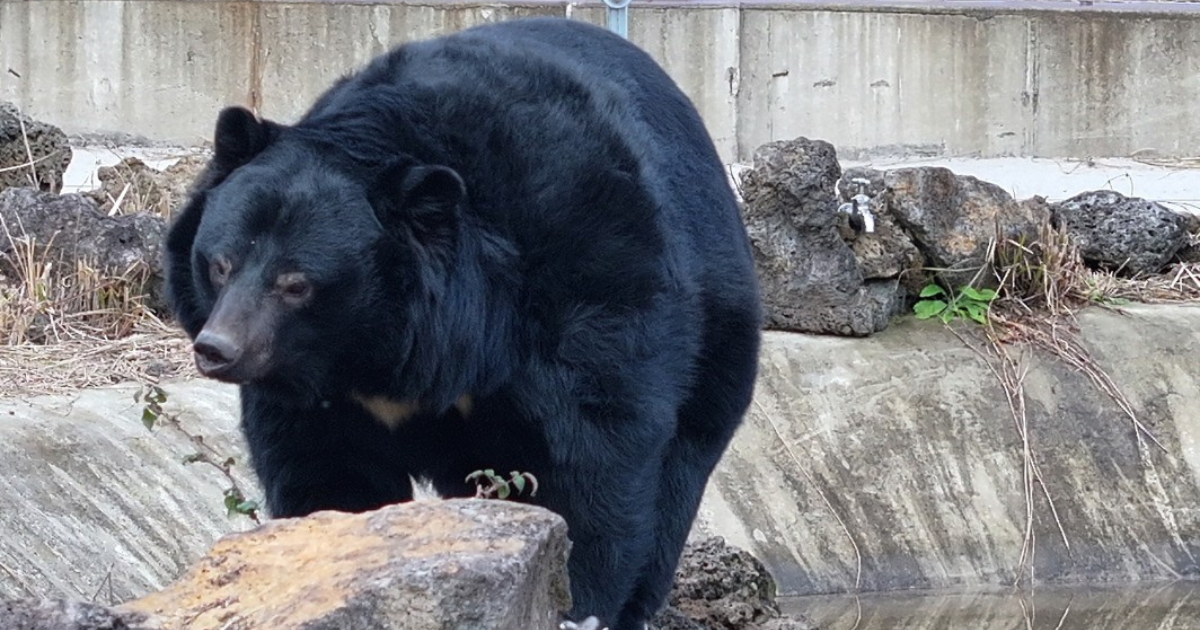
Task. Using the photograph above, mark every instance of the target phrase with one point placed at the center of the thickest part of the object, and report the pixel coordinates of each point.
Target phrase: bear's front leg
(603, 480)
(320, 457)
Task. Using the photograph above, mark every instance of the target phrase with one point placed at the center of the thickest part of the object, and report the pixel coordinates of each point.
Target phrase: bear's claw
(591, 623)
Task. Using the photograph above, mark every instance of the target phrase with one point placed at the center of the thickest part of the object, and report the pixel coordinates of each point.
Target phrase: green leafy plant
(488, 483)
(153, 398)
(236, 503)
(969, 302)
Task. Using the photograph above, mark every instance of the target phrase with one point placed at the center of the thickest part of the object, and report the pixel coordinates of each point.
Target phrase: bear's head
(291, 266)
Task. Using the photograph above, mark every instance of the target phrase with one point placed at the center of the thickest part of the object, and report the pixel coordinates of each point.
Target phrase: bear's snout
(216, 354)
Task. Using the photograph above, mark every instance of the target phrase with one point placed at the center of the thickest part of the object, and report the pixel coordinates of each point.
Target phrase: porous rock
(1127, 234)
(463, 564)
(56, 614)
(137, 187)
(720, 587)
(22, 138)
(953, 220)
(1190, 252)
(848, 185)
(887, 252)
(811, 280)
(70, 229)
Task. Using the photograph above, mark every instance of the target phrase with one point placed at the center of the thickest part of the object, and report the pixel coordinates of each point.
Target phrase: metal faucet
(858, 209)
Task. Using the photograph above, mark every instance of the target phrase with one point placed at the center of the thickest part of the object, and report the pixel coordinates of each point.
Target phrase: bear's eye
(293, 287)
(218, 271)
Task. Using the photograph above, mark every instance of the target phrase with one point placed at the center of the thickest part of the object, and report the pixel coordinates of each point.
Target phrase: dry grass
(1048, 278)
(67, 327)
(1042, 285)
(130, 186)
(147, 355)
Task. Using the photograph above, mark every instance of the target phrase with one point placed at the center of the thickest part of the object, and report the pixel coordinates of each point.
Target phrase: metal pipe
(618, 16)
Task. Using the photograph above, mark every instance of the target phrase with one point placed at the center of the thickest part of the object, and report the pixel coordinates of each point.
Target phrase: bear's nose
(215, 352)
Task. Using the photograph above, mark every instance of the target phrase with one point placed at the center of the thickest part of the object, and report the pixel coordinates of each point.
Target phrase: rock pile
(1128, 235)
(845, 252)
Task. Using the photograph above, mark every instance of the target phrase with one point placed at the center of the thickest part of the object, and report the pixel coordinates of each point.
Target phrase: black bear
(514, 247)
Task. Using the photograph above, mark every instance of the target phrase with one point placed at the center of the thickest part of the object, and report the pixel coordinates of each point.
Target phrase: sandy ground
(1054, 179)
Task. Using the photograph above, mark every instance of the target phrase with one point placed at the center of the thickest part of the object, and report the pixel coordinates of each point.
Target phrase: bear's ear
(426, 198)
(177, 265)
(240, 136)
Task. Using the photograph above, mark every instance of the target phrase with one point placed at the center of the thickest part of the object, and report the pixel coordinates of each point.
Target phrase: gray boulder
(887, 252)
(45, 143)
(811, 279)
(423, 565)
(70, 228)
(953, 219)
(1190, 253)
(59, 614)
(1135, 236)
(721, 587)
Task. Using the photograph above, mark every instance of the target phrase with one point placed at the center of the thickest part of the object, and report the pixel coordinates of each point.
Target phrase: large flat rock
(895, 462)
(467, 564)
(94, 505)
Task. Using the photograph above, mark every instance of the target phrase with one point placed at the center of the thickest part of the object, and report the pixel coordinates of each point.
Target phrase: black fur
(527, 212)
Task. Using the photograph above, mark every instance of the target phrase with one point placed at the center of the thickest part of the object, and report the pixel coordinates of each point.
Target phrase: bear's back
(573, 143)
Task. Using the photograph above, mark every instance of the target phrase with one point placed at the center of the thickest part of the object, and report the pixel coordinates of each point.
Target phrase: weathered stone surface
(898, 450)
(889, 253)
(128, 517)
(719, 587)
(80, 475)
(1190, 252)
(140, 188)
(953, 219)
(69, 228)
(1171, 605)
(847, 187)
(811, 279)
(805, 171)
(1115, 232)
(45, 143)
(53, 614)
(895, 463)
(472, 564)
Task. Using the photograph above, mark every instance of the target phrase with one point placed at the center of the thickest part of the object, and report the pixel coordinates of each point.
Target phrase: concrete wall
(969, 77)
(895, 463)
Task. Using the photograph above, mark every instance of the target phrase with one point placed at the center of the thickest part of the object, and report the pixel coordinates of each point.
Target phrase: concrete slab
(895, 462)
(94, 506)
(897, 450)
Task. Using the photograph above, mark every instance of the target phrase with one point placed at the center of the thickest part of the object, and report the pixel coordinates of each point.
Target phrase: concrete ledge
(96, 507)
(1021, 77)
(894, 462)
(885, 463)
